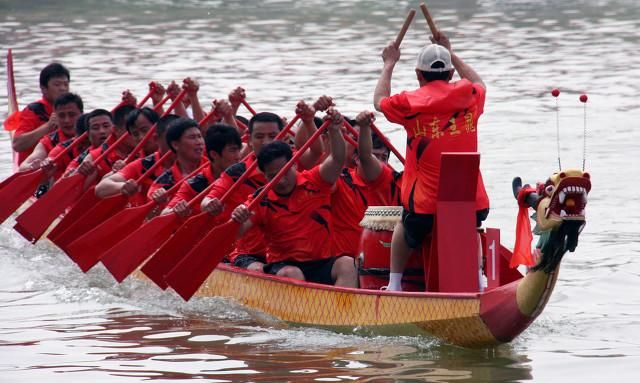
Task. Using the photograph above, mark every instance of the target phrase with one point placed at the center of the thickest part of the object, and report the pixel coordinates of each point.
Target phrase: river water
(58, 323)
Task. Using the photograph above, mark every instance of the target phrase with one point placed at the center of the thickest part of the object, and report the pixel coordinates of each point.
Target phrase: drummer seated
(295, 215)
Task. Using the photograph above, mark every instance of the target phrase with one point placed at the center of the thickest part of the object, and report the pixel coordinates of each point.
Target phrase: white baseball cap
(431, 54)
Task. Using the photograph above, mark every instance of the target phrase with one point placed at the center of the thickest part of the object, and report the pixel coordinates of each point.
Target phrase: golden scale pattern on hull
(455, 319)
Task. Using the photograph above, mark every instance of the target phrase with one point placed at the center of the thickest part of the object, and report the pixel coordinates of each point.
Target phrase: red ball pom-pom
(583, 98)
(555, 92)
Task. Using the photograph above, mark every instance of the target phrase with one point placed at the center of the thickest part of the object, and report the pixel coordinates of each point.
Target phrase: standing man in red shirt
(295, 216)
(440, 116)
(38, 118)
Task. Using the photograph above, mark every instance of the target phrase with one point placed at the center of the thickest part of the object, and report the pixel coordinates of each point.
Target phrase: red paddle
(249, 108)
(89, 199)
(196, 266)
(100, 211)
(87, 250)
(34, 221)
(23, 186)
(120, 263)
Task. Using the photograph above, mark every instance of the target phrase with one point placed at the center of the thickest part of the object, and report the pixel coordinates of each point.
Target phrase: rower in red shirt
(124, 180)
(38, 118)
(440, 116)
(68, 109)
(223, 146)
(295, 215)
(184, 138)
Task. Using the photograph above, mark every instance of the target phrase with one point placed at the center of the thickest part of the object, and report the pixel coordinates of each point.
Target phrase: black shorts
(244, 260)
(417, 226)
(314, 271)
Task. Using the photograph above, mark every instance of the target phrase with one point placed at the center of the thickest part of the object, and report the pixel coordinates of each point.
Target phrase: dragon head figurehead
(560, 204)
(563, 197)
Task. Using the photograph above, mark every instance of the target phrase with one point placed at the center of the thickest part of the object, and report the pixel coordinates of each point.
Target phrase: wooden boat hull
(464, 319)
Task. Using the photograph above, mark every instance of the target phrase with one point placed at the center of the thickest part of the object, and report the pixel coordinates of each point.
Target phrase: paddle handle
(152, 130)
(76, 142)
(157, 107)
(121, 103)
(153, 167)
(152, 88)
(427, 16)
(288, 165)
(249, 108)
(405, 27)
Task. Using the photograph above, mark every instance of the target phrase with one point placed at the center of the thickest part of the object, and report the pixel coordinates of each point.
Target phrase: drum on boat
(375, 251)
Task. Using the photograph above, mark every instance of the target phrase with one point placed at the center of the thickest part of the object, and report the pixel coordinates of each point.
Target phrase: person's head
(68, 107)
(243, 120)
(100, 126)
(434, 63)
(271, 158)
(263, 129)
(185, 139)
(139, 121)
(54, 81)
(380, 150)
(161, 131)
(223, 145)
(81, 124)
(120, 117)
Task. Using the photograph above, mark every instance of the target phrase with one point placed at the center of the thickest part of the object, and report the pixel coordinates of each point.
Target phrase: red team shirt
(170, 177)
(297, 227)
(135, 170)
(438, 117)
(192, 187)
(32, 117)
(252, 242)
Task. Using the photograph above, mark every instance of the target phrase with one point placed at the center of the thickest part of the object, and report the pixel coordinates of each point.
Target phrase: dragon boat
(445, 295)
(456, 307)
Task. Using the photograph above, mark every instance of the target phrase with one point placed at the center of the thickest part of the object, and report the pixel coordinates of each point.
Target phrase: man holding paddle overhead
(39, 119)
(295, 215)
(440, 116)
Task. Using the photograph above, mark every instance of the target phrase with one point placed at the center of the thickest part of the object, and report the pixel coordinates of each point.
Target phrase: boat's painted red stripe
(499, 311)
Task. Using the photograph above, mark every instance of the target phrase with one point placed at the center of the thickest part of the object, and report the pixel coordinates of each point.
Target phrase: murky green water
(57, 323)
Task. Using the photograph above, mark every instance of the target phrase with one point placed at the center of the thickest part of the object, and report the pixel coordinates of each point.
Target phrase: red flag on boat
(522, 248)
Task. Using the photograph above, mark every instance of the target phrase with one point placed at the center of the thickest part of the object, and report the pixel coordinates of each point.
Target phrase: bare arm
(192, 88)
(34, 159)
(390, 56)
(115, 184)
(309, 158)
(331, 167)
(464, 70)
(30, 139)
(369, 164)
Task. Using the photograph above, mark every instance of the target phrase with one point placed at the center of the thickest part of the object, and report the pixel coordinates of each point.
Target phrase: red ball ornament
(555, 92)
(583, 98)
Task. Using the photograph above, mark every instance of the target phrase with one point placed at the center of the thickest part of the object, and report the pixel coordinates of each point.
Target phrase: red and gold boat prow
(457, 308)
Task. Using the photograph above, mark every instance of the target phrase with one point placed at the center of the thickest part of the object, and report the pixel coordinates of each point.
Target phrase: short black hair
(149, 113)
(96, 113)
(53, 70)
(69, 98)
(272, 151)
(265, 117)
(220, 135)
(81, 124)
(433, 76)
(176, 129)
(120, 115)
(318, 122)
(378, 143)
(163, 123)
(242, 119)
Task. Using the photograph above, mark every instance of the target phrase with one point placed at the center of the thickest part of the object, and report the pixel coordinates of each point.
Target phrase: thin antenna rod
(555, 92)
(583, 99)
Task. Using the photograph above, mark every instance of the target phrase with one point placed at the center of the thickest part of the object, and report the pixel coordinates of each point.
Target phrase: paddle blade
(172, 250)
(196, 266)
(17, 191)
(98, 211)
(34, 221)
(87, 250)
(123, 258)
(77, 210)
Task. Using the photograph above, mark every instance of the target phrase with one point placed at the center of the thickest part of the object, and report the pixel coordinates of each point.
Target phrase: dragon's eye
(586, 175)
(562, 174)
(549, 189)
